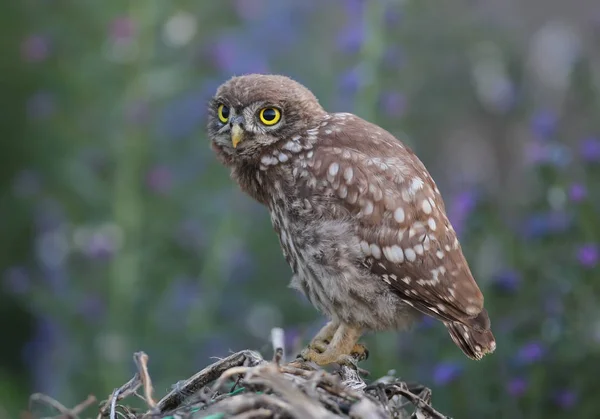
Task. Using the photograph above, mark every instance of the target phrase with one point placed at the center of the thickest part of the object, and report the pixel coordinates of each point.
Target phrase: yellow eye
(269, 116)
(223, 112)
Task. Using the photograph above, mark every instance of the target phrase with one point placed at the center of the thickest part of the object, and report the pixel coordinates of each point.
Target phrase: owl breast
(329, 268)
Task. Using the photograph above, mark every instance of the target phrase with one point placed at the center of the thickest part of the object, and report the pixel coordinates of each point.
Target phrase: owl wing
(405, 236)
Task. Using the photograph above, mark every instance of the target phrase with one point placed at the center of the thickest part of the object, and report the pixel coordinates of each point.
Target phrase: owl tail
(476, 338)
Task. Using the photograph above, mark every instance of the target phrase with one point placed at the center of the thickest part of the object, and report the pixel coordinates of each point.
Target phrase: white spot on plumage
(410, 255)
(416, 185)
(406, 280)
(269, 160)
(399, 215)
(283, 157)
(439, 254)
(364, 246)
(375, 251)
(472, 310)
(447, 247)
(426, 206)
(368, 209)
(343, 191)
(394, 254)
(328, 131)
(419, 249)
(348, 174)
(309, 154)
(431, 223)
(333, 169)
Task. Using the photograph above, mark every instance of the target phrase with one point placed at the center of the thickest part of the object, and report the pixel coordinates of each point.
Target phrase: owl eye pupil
(225, 112)
(269, 114)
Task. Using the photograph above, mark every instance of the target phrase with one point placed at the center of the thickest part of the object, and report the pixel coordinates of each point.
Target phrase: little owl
(360, 221)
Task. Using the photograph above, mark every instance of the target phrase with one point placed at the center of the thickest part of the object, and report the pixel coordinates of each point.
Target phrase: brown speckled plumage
(360, 220)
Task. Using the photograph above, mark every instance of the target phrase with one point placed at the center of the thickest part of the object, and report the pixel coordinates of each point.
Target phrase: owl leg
(322, 339)
(338, 351)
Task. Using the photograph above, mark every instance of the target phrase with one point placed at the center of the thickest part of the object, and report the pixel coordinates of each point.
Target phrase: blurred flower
(180, 29)
(121, 28)
(566, 398)
(351, 80)
(41, 105)
(588, 255)
(351, 38)
(530, 353)
(553, 305)
(100, 242)
(234, 55)
(543, 123)
(35, 48)
(52, 248)
(393, 103)
(577, 192)
(461, 206)
(589, 149)
(516, 387)
(446, 372)
(427, 322)
(250, 9)
(184, 116)
(26, 183)
(92, 307)
(159, 179)
(190, 235)
(16, 280)
(554, 154)
(544, 223)
(507, 280)
(393, 57)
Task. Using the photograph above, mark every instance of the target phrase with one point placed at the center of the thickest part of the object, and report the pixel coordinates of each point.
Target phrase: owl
(360, 221)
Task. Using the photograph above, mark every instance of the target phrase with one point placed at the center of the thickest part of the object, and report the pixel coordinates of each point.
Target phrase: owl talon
(360, 352)
(319, 345)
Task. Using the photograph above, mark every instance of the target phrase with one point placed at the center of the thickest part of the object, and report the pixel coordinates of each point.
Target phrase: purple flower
(577, 192)
(589, 149)
(100, 246)
(351, 80)
(548, 153)
(159, 179)
(393, 103)
(16, 280)
(516, 387)
(427, 322)
(92, 307)
(190, 235)
(588, 255)
(35, 48)
(461, 207)
(566, 398)
(122, 29)
(351, 38)
(507, 280)
(41, 105)
(541, 224)
(530, 353)
(234, 55)
(250, 9)
(446, 372)
(544, 123)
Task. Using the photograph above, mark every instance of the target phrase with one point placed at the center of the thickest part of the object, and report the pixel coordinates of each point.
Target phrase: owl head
(253, 112)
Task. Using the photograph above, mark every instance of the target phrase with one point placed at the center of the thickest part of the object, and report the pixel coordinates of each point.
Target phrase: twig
(174, 399)
(55, 404)
(91, 399)
(141, 362)
(418, 402)
(278, 341)
(113, 403)
(127, 389)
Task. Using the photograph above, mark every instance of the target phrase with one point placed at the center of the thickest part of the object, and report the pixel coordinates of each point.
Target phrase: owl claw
(360, 352)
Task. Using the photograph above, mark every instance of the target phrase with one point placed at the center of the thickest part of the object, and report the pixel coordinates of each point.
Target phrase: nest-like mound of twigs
(244, 385)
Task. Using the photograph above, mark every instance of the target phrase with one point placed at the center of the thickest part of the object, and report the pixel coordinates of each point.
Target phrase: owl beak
(237, 132)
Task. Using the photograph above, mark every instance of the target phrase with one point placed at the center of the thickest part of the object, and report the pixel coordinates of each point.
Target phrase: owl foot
(360, 352)
(326, 357)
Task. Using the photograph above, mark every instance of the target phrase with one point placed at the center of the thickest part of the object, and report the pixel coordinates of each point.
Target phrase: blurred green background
(120, 231)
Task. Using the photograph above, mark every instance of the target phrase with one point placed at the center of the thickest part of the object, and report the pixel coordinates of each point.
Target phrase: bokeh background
(120, 231)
